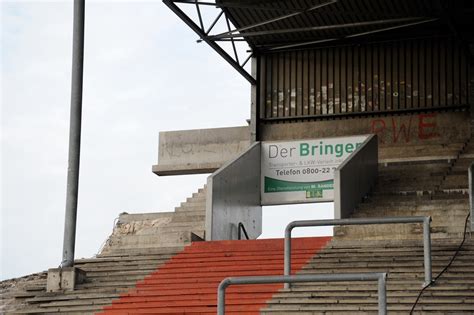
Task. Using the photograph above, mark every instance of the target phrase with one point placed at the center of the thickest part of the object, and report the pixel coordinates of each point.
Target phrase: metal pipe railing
(362, 221)
(241, 228)
(380, 277)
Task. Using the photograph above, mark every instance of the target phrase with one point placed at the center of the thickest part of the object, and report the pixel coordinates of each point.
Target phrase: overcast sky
(143, 73)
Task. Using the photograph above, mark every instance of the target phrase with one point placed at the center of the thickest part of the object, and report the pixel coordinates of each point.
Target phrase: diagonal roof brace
(203, 36)
(231, 33)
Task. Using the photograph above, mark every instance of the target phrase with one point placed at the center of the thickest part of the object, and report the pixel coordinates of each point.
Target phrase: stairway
(139, 244)
(187, 284)
(161, 229)
(108, 275)
(403, 260)
(422, 180)
(435, 187)
(151, 265)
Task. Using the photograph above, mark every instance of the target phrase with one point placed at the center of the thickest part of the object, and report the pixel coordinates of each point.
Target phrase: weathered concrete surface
(437, 188)
(108, 276)
(206, 150)
(154, 230)
(233, 196)
(11, 288)
(199, 151)
(399, 130)
(355, 178)
(64, 279)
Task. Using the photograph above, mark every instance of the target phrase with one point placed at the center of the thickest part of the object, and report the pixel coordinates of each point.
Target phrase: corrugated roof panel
(335, 18)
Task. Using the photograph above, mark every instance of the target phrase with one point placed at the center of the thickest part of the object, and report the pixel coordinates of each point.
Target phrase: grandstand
(387, 89)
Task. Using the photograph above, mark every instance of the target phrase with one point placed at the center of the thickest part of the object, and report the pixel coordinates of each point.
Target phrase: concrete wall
(396, 130)
(199, 151)
(233, 196)
(206, 150)
(355, 178)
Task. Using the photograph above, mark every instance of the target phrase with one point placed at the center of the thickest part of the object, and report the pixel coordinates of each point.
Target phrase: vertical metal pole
(287, 254)
(74, 135)
(221, 296)
(427, 249)
(382, 295)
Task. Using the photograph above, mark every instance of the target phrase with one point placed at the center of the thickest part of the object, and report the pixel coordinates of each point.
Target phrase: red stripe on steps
(187, 283)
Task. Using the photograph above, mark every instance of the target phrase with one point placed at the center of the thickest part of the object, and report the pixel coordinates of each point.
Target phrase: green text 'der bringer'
(306, 149)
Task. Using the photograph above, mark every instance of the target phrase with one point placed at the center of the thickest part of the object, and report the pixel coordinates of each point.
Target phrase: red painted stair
(187, 283)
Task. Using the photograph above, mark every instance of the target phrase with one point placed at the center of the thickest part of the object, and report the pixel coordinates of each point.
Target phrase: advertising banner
(303, 171)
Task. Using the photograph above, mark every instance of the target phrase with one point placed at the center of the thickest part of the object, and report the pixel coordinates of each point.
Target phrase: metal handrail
(380, 277)
(362, 221)
(239, 233)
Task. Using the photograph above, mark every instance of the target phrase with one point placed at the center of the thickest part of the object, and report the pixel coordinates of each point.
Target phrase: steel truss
(234, 35)
(204, 33)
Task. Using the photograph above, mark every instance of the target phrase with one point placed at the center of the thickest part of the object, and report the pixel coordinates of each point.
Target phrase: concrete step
(125, 218)
(198, 198)
(423, 150)
(127, 253)
(412, 187)
(455, 181)
(401, 198)
(172, 227)
(400, 232)
(191, 207)
(439, 216)
(151, 241)
(463, 162)
(408, 168)
(414, 204)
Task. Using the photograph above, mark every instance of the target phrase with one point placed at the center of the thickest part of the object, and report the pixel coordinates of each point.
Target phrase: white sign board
(303, 171)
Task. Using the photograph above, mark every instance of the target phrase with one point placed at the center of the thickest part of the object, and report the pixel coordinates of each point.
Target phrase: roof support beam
(349, 36)
(239, 5)
(319, 28)
(201, 32)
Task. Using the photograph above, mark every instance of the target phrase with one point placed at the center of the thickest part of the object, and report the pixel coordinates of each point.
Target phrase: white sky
(143, 73)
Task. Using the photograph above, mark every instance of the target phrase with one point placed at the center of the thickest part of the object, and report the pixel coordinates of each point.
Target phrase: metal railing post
(382, 294)
(241, 228)
(287, 254)
(362, 221)
(221, 296)
(427, 249)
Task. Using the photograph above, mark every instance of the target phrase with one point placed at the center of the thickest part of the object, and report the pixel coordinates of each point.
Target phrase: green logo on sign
(314, 193)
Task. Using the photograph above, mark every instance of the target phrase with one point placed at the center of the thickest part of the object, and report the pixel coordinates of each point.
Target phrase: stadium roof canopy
(278, 25)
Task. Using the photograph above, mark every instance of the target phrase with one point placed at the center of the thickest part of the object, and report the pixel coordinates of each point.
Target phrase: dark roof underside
(278, 24)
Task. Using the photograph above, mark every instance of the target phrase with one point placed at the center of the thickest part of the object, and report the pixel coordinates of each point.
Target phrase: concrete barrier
(355, 177)
(233, 196)
(199, 151)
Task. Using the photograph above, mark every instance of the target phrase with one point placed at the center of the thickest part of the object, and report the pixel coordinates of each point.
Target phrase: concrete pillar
(64, 279)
